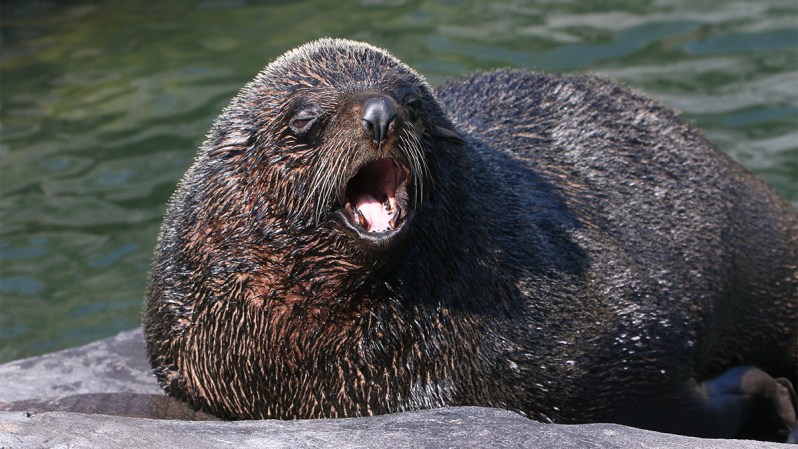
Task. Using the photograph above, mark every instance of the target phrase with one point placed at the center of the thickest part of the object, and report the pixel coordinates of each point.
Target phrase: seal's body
(349, 243)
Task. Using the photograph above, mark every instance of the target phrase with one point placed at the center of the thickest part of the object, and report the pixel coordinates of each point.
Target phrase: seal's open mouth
(376, 198)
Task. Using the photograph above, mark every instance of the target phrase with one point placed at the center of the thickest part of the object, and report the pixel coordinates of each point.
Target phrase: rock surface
(119, 364)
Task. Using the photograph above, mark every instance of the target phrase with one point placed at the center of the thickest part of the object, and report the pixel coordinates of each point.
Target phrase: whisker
(415, 155)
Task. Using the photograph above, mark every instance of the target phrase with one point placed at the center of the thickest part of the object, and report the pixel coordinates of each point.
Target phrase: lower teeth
(362, 220)
(395, 219)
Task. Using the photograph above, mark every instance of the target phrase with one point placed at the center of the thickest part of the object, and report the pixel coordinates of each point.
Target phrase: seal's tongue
(375, 216)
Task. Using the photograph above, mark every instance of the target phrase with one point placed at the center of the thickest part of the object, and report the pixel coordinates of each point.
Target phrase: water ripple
(102, 110)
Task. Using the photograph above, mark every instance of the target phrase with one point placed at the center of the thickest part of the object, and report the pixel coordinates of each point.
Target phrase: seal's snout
(378, 114)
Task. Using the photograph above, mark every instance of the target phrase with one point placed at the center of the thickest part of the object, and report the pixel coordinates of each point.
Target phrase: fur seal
(350, 242)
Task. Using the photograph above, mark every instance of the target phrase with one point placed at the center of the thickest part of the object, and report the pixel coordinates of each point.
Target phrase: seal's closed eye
(408, 96)
(303, 120)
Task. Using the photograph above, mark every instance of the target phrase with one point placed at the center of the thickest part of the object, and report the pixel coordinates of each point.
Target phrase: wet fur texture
(578, 254)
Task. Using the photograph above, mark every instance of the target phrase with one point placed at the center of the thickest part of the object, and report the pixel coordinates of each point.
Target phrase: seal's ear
(439, 132)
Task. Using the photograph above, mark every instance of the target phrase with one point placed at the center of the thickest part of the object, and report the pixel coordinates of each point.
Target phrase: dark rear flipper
(746, 402)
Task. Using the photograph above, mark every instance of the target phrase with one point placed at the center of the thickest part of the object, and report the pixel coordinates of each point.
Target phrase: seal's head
(274, 252)
(335, 137)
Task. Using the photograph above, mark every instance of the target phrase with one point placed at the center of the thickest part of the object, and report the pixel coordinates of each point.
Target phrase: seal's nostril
(378, 113)
(368, 127)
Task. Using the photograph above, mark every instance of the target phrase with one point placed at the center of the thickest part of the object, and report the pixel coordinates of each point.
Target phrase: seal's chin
(375, 202)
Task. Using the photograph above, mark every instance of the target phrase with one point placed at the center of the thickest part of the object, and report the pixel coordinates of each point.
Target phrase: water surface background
(103, 104)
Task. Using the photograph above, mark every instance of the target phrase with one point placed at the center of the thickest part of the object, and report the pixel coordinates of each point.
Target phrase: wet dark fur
(581, 255)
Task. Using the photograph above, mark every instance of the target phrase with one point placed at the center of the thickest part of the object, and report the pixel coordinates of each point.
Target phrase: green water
(102, 105)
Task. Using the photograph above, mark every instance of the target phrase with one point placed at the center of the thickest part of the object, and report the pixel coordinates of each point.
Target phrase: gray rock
(119, 364)
(449, 427)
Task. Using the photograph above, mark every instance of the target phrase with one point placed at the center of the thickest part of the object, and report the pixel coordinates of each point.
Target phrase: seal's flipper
(792, 438)
(747, 400)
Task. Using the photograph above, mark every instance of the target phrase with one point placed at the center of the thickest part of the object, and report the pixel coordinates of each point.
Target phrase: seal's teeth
(390, 205)
(362, 219)
(395, 219)
(386, 202)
